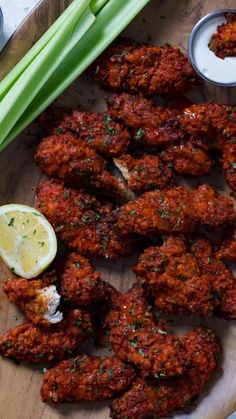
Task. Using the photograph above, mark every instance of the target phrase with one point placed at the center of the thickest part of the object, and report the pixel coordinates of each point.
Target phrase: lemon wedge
(28, 243)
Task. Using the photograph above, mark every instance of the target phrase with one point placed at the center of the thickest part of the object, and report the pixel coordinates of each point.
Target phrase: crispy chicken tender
(98, 131)
(150, 70)
(31, 344)
(187, 158)
(67, 158)
(178, 209)
(223, 42)
(79, 220)
(80, 284)
(172, 275)
(211, 120)
(137, 338)
(184, 277)
(86, 378)
(147, 400)
(151, 125)
(144, 173)
(37, 299)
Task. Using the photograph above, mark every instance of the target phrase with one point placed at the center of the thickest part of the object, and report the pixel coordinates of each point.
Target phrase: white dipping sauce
(212, 67)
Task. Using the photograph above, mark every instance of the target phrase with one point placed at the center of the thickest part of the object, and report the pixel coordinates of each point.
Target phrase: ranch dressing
(212, 67)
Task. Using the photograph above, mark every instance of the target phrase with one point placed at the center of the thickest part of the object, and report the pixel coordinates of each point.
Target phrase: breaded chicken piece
(86, 378)
(31, 344)
(151, 125)
(210, 119)
(229, 163)
(150, 70)
(38, 299)
(97, 130)
(178, 209)
(137, 338)
(80, 284)
(184, 277)
(148, 400)
(144, 173)
(172, 276)
(136, 111)
(227, 250)
(223, 42)
(79, 220)
(67, 158)
(187, 158)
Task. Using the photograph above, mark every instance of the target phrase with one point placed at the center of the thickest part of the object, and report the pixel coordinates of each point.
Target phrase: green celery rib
(97, 5)
(24, 90)
(110, 22)
(19, 68)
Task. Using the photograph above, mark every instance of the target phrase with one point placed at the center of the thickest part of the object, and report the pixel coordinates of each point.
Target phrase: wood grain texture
(163, 21)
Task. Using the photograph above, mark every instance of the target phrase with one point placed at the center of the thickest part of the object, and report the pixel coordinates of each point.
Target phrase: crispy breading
(86, 378)
(178, 209)
(187, 158)
(184, 277)
(172, 275)
(80, 284)
(150, 125)
(144, 173)
(29, 297)
(97, 130)
(31, 344)
(67, 158)
(147, 399)
(150, 70)
(79, 220)
(229, 163)
(137, 338)
(227, 249)
(223, 41)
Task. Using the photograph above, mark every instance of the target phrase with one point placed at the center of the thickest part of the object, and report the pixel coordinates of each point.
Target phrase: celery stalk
(20, 67)
(97, 5)
(110, 22)
(43, 66)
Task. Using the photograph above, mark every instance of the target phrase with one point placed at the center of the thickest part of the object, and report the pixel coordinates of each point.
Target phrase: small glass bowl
(191, 44)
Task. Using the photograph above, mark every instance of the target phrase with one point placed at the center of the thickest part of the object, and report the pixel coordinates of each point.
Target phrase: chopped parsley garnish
(139, 134)
(77, 264)
(106, 119)
(11, 222)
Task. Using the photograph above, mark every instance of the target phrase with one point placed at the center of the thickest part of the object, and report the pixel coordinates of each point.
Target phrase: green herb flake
(42, 371)
(140, 351)
(139, 134)
(77, 264)
(8, 343)
(66, 194)
(106, 119)
(110, 372)
(78, 322)
(234, 165)
(11, 222)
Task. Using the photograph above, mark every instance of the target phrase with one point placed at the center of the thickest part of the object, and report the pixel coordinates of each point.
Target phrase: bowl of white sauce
(211, 68)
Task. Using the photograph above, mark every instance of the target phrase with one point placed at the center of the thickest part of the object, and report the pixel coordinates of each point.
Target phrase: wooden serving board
(161, 21)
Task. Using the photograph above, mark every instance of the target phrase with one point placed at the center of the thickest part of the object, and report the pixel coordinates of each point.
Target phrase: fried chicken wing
(150, 70)
(187, 158)
(98, 131)
(178, 209)
(86, 378)
(80, 284)
(147, 400)
(151, 125)
(144, 173)
(31, 344)
(172, 275)
(137, 338)
(67, 158)
(223, 42)
(79, 220)
(38, 299)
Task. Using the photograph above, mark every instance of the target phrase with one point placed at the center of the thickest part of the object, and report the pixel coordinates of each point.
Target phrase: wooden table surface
(164, 21)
